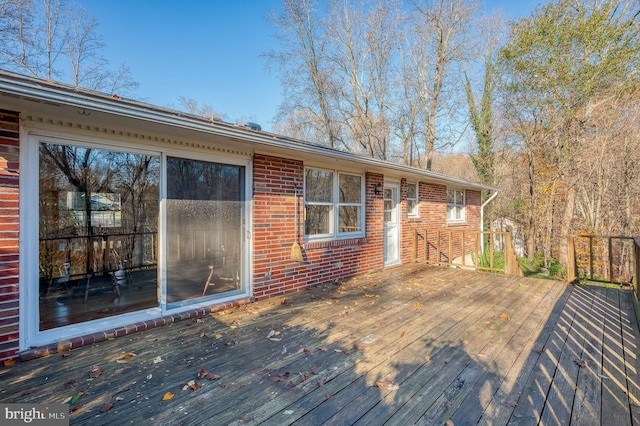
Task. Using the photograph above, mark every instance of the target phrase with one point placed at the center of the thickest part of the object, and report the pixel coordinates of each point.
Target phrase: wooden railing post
(571, 259)
(636, 266)
(414, 247)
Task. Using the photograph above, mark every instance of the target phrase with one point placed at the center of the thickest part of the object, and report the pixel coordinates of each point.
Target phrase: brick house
(117, 216)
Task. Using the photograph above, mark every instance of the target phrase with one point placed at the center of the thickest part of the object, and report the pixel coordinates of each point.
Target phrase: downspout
(494, 195)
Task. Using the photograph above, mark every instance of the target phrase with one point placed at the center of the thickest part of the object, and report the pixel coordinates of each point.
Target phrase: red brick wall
(432, 214)
(9, 229)
(274, 229)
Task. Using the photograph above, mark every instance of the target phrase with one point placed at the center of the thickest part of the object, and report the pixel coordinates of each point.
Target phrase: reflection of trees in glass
(70, 178)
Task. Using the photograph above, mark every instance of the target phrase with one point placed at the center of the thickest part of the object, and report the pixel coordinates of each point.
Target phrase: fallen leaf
(313, 371)
(211, 376)
(157, 360)
(402, 334)
(427, 359)
(329, 395)
(581, 362)
(243, 418)
(225, 385)
(167, 396)
(448, 404)
(539, 351)
(203, 373)
(106, 407)
(509, 403)
(320, 382)
(505, 317)
(287, 412)
(291, 384)
(194, 385)
(149, 376)
(382, 384)
(65, 355)
(303, 378)
(70, 382)
(9, 362)
(308, 351)
(129, 355)
(322, 348)
(119, 398)
(202, 334)
(76, 397)
(95, 373)
(77, 408)
(449, 423)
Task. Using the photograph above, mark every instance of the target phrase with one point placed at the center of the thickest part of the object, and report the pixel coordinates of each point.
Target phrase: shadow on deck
(409, 345)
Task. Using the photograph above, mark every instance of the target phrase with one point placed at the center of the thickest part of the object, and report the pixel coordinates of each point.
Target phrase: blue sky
(210, 51)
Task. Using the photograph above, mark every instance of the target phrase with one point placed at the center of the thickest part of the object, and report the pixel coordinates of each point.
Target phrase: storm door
(205, 230)
(391, 224)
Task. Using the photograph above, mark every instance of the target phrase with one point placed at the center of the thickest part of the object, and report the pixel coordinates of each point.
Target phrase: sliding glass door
(205, 229)
(115, 241)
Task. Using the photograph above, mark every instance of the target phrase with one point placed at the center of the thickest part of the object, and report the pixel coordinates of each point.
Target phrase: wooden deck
(409, 345)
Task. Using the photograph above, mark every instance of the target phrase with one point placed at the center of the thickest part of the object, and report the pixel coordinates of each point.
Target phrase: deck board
(475, 348)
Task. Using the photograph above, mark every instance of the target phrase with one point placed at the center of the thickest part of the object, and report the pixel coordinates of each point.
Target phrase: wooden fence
(464, 249)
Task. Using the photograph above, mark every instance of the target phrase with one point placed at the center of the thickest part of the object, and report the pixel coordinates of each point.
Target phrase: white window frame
(415, 212)
(457, 205)
(30, 334)
(334, 219)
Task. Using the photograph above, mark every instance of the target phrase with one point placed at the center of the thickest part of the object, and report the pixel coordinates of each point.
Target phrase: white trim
(398, 231)
(335, 204)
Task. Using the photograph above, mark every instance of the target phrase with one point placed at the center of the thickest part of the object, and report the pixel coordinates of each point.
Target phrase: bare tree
(39, 33)
(305, 71)
(441, 40)
(201, 109)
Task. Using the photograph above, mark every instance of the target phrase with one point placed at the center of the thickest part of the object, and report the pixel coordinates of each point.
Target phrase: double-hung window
(333, 204)
(455, 205)
(412, 200)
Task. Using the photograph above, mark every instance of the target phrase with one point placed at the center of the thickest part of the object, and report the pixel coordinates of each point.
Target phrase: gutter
(494, 195)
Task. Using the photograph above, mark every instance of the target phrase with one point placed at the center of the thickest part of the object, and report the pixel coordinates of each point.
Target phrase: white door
(391, 224)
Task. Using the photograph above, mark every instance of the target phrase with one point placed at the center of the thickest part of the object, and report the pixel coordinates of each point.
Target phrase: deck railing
(465, 249)
(607, 259)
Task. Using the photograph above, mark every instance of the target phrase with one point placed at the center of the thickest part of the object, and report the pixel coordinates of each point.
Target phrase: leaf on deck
(167, 396)
(106, 407)
(383, 384)
(95, 373)
(509, 403)
(581, 362)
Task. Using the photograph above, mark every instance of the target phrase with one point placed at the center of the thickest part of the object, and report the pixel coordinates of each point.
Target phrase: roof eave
(66, 95)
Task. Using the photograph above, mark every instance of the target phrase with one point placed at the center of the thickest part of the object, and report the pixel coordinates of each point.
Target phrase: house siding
(432, 214)
(274, 232)
(9, 233)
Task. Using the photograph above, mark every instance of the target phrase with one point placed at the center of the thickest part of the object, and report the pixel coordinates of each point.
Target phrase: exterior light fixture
(378, 189)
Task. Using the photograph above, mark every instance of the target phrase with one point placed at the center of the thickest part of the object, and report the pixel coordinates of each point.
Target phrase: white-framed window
(333, 204)
(412, 199)
(455, 205)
